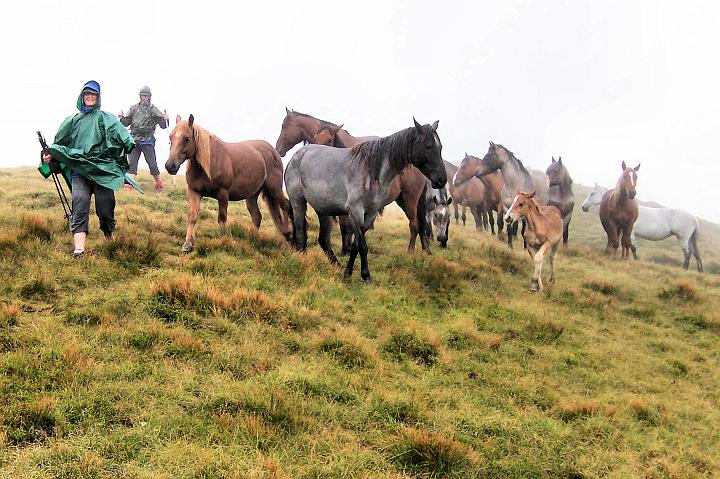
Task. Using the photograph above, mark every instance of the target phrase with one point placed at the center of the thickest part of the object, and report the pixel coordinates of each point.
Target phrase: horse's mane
(323, 123)
(202, 147)
(512, 156)
(398, 147)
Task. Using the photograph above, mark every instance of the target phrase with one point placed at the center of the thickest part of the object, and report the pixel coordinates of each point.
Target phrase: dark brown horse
(492, 185)
(561, 193)
(619, 210)
(407, 190)
(227, 172)
(542, 232)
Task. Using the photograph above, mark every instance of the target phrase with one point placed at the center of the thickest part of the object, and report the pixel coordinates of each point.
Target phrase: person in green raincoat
(94, 145)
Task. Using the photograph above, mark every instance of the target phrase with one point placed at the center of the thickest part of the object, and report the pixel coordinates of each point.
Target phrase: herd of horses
(349, 180)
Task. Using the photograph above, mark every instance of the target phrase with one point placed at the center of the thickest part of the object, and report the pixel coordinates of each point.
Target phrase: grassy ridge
(245, 359)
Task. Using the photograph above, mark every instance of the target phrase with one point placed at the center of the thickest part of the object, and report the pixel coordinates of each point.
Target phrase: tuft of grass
(429, 454)
(603, 287)
(10, 246)
(82, 317)
(144, 340)
(36, 227)
(31, 422)
(544, 332)
(348, 355)
(406, 344)
(680, 291)
(570, 410)
(330, 392)
(9, 314)
(698, 321)
(132, 253)
(274, 410)
(396, 411)
(38, 288)
(642, 412)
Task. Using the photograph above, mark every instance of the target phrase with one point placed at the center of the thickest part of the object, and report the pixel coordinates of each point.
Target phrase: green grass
(245, 359)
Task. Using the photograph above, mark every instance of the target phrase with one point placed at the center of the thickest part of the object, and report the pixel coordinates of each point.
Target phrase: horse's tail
(272, 193)
(694, 247)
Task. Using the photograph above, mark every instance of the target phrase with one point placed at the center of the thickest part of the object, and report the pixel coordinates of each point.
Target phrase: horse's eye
(186, 139)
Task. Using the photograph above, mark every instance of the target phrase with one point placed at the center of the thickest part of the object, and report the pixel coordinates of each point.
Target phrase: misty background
(597, 83)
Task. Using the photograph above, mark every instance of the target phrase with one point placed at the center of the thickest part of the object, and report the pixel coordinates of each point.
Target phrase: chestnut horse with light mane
(227, 172)
(619, 210)
(543, 231)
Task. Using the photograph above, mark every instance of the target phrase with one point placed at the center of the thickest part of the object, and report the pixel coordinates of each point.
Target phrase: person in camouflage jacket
(142, 118)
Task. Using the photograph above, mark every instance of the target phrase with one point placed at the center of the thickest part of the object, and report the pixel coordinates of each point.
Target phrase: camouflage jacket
(142, 119)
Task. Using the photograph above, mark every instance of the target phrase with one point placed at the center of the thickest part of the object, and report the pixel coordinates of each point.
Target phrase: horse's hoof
(368, 280)
(186, 249)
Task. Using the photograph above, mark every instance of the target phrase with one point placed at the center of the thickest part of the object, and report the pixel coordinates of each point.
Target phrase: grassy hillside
(247, 360)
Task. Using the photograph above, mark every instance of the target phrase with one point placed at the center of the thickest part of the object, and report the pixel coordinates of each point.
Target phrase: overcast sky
(597, 82)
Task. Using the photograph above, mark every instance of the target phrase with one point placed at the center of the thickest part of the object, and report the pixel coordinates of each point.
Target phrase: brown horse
(227, 172)
(407, 190)
(619, 210)
(297, 127)
(543, 231)
(492, 193)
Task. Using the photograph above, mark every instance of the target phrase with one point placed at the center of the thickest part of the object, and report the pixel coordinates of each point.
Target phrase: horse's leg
(351, 258)
(455, 206)
(633, 246)
(279, 207)
(194, 200)
(222, 199)
(464, 218)
(626, 244)
(500, 221)
(412, 222)
(491, 222)
(511, 231)
(553, 258)
(346, 233)
(522, 232)
(324, 238)
(299, 209)
(566, 233)
(477, 216)
(536, 284)
(695, 250)
(252, 206)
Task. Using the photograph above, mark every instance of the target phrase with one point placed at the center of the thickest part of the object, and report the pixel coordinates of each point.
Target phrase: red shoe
(159, 185)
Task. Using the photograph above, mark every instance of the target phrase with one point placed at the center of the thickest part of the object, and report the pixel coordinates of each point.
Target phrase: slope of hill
(246, 359)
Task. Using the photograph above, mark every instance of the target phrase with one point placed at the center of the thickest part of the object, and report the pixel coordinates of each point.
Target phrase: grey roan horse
(656, 224)
(561, 193)
(355, 182)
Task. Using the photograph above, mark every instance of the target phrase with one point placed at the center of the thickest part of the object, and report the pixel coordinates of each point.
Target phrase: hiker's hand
(121, 114)
(46, 157)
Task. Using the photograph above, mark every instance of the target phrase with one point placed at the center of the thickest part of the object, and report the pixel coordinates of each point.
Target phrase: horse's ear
(530, 195)
(624, 165)
(637, 167)
(559, 159)
(287, 111)
(435, 125)
(417, 125)
(553, 159)
(177, 119)
(491, 143)
(338, 128)
(191, 119)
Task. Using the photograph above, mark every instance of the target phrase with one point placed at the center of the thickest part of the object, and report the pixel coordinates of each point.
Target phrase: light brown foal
(543, 231)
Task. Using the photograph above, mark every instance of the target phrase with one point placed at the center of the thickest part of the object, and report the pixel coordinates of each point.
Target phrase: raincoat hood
(91, 85)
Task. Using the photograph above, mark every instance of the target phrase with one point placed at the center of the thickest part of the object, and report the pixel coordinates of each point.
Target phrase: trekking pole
(67, 209)
(168, 124)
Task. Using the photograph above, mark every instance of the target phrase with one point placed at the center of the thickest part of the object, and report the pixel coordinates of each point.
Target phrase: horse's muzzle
(171, 168)
(631, 194)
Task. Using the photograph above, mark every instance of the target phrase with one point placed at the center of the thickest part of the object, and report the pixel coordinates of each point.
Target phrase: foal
(543, 231)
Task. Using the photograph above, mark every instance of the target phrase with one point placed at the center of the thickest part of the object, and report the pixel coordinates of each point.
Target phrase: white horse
(656, 224)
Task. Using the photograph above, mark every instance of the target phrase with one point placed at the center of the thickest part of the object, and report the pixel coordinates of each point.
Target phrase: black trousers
(149, 152)
(82, 190)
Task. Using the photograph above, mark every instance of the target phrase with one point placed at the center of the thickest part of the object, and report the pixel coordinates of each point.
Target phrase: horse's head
(468, 166)
(628, 181)
(594, 198)
(293, 131)
(427, 154)
(441, 219)
(556, 172)
(328, 135)
(521, 207)
(183, 144)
